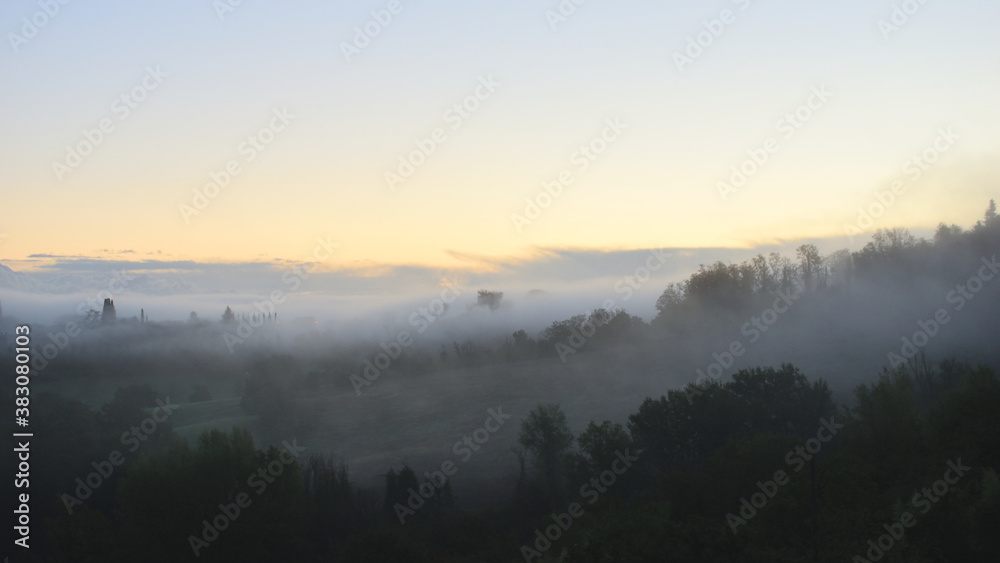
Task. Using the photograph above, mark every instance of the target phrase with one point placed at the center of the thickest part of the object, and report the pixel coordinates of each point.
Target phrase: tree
(491, 299)
(561, 331)
(889, 435)
(680, 429)
(228, 317)
(840, 266)
(545, 434)
(887, 244)
(990, 217)
(601, 444)
(401, 489)
(522, 345)
(521, 338)
(966, 419)
(948, 234)
(618, 327)
(334, 513)
(765, 280)
(398, 485)
(719, 285)
(165, 499)
(810, 266)
(670, 299)
(780, 401)
(92, 318)
(783, 270)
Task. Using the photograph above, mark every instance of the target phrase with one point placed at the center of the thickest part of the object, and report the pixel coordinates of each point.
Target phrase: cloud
(581, 276)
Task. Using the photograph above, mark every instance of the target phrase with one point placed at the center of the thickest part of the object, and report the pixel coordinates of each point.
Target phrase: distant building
(108, 315)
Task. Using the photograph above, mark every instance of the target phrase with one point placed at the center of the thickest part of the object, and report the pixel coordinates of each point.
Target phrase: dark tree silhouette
(545, 434)
(491, 299)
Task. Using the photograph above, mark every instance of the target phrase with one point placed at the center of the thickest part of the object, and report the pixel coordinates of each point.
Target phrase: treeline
(892, 255)
(718, 293)
(713, 298)
(764, 467)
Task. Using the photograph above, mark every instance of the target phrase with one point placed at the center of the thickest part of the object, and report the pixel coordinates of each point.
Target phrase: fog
(455, 357)
(386, 381)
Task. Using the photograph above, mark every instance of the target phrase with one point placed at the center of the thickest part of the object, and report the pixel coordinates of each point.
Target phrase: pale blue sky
(324, 176)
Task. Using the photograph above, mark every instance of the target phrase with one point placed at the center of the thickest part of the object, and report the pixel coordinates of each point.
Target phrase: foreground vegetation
(762, 468)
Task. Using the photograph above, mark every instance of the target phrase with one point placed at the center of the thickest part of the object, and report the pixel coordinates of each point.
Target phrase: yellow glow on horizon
(452, 219)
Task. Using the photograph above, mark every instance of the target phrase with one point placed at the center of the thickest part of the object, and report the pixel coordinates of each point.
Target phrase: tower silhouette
(108, 315)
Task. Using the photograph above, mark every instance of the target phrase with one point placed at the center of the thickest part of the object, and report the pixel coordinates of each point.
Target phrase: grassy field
(191, 419)
(417, 420)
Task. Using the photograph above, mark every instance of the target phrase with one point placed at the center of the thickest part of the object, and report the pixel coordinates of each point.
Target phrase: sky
(822, 106)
